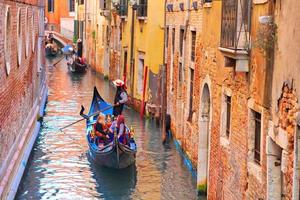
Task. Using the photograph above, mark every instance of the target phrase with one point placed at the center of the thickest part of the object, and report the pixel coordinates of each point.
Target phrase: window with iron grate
(71, 5)
(193, 46)
(181, 38)
(257, 140)
(123, 10)
(50, 5)
(235, 23)
(191, 94)
(228, 114)
(142, 9)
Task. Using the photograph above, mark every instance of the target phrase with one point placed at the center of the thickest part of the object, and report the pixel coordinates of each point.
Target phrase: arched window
(7, 39)
(33, 30)
(19, 38)
(27, 33)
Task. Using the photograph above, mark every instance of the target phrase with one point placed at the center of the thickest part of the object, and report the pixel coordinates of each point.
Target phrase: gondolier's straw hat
(118, 83)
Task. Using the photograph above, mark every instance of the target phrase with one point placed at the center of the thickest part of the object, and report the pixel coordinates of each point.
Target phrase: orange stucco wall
(61, 10)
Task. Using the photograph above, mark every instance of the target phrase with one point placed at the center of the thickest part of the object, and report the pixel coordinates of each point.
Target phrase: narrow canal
(59, 165)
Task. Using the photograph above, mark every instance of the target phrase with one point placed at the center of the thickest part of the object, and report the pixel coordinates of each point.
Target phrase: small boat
(115, 154)
(77, 67)
(51, 50)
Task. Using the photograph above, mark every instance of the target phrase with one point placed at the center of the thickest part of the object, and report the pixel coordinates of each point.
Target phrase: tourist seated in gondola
(101, 131)
(108, 123)
(121, 129)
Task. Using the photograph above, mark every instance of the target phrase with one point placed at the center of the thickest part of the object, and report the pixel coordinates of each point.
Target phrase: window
(181, 41)
(71, 5)
(173, 40)
(142, 9)
(180, 73)
(191, 93)
(193, 46)
(123, 10)
(103, 4)
(103, 35)
(7, 39)
(235, 24)
(27, 33)
(33, 31)
(228, 114)
(257, 129)
(167, 37)
(19, 38)
(50, 5)
(125, 65)
(140, 80)
(107, 36)
(80, 2)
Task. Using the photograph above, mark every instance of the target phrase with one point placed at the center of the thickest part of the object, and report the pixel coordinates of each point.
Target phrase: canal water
(60, 168)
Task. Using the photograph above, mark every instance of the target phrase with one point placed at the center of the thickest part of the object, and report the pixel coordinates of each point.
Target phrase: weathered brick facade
(21, 86)
(233, 169)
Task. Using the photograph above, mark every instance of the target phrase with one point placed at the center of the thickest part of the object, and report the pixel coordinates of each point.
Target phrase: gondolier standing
(120, 98)
(79, 48)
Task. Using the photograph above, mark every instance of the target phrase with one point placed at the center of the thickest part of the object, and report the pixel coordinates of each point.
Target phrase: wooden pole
(164, 101)
(144, 92)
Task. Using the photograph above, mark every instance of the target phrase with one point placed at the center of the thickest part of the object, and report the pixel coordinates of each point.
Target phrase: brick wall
(228, 170)
(19, 89)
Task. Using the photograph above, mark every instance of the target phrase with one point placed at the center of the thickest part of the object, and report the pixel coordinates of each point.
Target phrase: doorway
(203, 143)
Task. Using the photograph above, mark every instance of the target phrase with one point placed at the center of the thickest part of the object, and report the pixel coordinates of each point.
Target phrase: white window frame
(19, 36)
(140, 83)
(7, 58)
(253, 168)
(33, 30)
(27, 33)
(224, 139)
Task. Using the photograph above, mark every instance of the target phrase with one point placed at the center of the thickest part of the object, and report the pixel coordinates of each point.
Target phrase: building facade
(233, 111)
(119, 43)
(142, 50)
(60, 17)
(102, 37)
(23, 89)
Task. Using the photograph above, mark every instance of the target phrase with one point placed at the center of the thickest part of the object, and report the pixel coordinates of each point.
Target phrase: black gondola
(114, 154)
(77, 67)
(50, 50)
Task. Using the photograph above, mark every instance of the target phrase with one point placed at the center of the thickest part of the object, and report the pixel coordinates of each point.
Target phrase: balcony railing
(123, 10)
(235, 24)
(142, 9)
(229, 23)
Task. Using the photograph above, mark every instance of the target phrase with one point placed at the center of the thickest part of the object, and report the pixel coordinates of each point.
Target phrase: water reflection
(122, 182)
(60, 168)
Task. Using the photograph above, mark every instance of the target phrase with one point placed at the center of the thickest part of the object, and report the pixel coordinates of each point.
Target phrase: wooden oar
(86, 116)
(57, 62)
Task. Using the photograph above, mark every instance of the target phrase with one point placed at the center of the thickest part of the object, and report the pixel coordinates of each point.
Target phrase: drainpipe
(269, 62)
(134, 7)
(187, 21)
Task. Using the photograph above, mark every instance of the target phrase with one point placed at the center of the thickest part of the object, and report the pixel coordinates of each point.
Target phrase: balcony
(235, 35)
